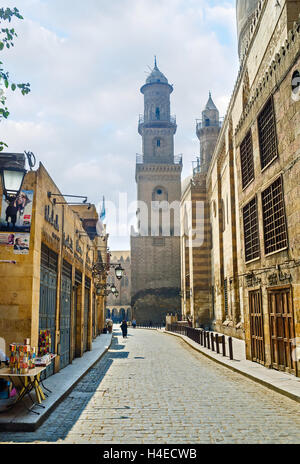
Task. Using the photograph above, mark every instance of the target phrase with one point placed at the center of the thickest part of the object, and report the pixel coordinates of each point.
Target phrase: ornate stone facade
(252, 188)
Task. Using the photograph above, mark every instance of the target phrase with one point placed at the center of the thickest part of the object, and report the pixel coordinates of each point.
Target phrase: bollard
(217, 343)
(230, 348)
(208, 342)
(223, 345)
(212, 341)
(204, 338)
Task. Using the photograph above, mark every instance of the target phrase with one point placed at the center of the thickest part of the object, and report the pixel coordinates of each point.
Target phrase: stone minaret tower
(155, 250)
(196, 258)
(207, 132)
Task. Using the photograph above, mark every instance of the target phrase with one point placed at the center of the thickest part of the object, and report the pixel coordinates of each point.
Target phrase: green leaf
(6, 83)
(13, 87)
(1, 45)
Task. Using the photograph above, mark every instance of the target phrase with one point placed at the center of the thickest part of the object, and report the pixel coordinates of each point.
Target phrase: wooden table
(29, 382)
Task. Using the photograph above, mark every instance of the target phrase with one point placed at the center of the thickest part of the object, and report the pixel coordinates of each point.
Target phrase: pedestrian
(124, 328)
(133, 323)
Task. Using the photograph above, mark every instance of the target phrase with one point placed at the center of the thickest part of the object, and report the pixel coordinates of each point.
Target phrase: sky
(86, 61)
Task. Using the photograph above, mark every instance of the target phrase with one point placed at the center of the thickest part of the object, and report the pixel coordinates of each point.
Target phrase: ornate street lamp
(12, 169)
(12, 180)
(119, 271)
(113, 289)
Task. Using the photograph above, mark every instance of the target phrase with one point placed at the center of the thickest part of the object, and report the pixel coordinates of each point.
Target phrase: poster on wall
(15, 222)
(21, 244)
(16, 215)
(7, 239)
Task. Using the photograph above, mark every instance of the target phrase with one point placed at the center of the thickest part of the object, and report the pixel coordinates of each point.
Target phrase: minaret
(155, 251)
(207, 132)
(157, 127)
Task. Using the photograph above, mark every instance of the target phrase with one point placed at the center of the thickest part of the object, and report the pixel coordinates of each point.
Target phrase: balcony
(157, 122)
(177, 160)
(202, 125)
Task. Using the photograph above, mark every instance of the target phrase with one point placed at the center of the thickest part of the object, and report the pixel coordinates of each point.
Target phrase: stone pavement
(60, 384)
(284, 383)
(153, 388)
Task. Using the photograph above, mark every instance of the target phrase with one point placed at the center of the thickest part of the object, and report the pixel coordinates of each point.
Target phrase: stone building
(196, 226)
(252, 190)
(119, 308)
(51, 284)
(155, 249)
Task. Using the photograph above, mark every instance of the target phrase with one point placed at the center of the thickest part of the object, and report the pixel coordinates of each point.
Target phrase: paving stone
(172, 395)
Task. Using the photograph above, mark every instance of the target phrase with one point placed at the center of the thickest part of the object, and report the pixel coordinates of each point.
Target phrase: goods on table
(44, 342)
(22, 357)
(44, 360)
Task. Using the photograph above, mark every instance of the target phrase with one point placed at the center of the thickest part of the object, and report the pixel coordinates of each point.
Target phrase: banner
(15, 222)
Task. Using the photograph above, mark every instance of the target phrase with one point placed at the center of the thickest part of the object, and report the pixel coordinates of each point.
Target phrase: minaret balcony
(200, 125)
(156, 123)
(177, 160)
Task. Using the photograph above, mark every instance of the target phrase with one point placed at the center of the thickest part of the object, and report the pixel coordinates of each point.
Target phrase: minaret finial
(155, 62)
(209, 94)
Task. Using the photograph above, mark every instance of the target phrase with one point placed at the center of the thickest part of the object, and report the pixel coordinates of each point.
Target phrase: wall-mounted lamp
(12, 170)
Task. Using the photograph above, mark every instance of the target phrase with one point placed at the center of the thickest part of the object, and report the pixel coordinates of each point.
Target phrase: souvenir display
(44, 342)
(43, 360)
(22, 357)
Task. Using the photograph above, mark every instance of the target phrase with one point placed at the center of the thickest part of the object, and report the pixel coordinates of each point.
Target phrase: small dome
(156, 76)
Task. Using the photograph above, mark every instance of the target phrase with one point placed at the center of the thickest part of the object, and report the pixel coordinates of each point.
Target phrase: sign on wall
(15, 222)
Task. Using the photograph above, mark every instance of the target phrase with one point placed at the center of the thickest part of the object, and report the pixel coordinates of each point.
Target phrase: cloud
(86, 62)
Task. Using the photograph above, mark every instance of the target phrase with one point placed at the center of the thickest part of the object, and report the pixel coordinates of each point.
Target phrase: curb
(234, 369)
(26, 427)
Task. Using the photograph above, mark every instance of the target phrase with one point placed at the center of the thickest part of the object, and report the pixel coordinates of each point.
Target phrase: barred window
(267, 134)
(251, 236)
(275, 230)
(247, 164)
(226, 298)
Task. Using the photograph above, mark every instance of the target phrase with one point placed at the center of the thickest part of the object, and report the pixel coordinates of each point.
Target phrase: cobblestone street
(153, 388)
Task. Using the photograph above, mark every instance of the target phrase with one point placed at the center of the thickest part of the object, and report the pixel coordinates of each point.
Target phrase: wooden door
(282, 329)
(257, 327)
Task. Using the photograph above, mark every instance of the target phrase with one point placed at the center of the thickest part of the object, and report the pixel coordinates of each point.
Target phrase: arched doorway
(115, 316)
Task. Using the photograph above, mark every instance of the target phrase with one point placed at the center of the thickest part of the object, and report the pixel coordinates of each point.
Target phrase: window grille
(251, 236)
(226, 298)
(247, 164)
(275, 231)
(267, 134)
